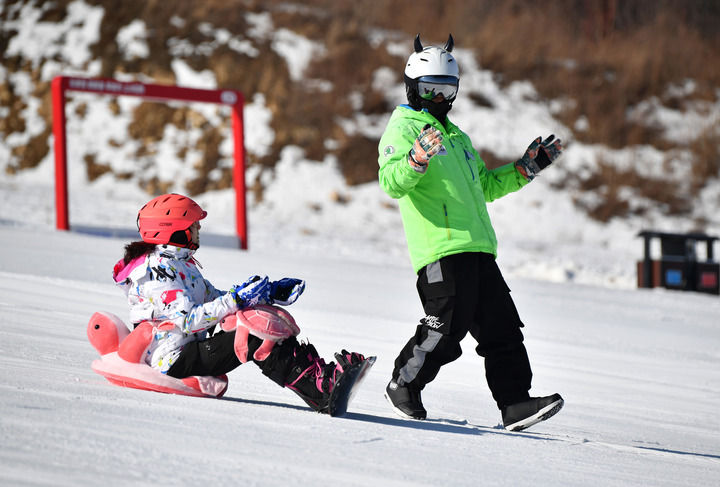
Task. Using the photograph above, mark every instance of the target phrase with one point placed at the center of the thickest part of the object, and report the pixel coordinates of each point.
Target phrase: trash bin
(708, 277)
(678, 266)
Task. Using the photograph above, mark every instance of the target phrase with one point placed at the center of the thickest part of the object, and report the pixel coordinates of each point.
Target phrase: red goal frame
(232, 98)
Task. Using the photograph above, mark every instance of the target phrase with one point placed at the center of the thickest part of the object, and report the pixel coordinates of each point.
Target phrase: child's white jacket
(166, 285)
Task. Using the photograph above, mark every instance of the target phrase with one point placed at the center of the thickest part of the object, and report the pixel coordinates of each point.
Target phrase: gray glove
(539, 155)
(427, 144)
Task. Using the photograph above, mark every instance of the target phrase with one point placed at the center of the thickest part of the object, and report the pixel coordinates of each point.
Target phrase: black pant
(216, 356)
(464, 293)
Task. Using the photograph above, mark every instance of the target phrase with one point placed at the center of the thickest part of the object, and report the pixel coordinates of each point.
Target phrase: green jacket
(443, 210)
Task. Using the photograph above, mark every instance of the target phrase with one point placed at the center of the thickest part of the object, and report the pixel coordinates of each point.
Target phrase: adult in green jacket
(442, 185)
(443, 209)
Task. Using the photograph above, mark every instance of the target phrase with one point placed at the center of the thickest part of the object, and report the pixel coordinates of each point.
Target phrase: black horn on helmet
(449, 44)
(418, 44)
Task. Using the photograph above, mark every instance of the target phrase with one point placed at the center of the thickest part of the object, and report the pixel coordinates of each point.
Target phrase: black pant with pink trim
(216, 356)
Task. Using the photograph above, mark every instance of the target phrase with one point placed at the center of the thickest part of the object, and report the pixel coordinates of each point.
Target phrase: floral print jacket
(167, 286)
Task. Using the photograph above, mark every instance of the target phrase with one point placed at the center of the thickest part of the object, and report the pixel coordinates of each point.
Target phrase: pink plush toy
(270, 323)
(122, 361)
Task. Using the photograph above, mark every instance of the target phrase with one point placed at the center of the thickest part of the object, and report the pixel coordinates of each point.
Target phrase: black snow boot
(405, 401)
(311, 378)
(522, 415)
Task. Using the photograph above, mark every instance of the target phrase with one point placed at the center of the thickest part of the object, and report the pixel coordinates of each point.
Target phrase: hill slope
(323, 76)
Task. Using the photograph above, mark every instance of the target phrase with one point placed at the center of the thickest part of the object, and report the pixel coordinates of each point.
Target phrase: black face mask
(437, 110)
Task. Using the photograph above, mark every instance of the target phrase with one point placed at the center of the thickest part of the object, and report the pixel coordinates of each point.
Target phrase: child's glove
(427, 144)
(286, 291)
(539, 155)
(255, 290)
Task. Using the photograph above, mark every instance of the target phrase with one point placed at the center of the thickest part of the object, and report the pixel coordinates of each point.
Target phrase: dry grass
(706, 166)
(601, 193)
(622, 53)
(95, 169)
(606, 55)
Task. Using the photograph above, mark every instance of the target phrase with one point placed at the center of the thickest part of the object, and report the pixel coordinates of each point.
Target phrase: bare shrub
(209, 146)
(358, 159)
(606, 56)
(491, 160)
(606, 192)
(34, 152)
(149, 120)
(610, 206)
(94, 169)
(706, 151)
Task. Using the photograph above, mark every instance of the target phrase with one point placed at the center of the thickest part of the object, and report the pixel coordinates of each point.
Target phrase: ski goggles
(431, 86)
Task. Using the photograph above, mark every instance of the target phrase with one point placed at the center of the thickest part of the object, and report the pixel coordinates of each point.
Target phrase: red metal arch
(232, 98)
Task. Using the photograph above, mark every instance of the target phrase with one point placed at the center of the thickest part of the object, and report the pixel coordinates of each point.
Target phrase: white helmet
(429, 72)
(432, 61)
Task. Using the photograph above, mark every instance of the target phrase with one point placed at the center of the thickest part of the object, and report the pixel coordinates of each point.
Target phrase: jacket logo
(163, 274)
(388, 150)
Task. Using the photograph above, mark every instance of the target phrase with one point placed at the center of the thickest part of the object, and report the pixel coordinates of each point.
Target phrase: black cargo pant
(466, 293)
(216, 356)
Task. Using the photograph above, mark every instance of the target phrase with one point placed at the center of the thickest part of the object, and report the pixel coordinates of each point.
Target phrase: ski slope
(638, 370)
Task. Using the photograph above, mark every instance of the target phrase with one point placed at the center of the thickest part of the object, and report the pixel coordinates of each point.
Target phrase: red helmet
(161, 217)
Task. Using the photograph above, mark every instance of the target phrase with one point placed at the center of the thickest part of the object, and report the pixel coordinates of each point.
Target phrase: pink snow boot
(314, 380)
(311, 378)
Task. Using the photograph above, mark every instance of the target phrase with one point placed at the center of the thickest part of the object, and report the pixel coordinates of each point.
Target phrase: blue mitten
(252, 292)
(286, 290)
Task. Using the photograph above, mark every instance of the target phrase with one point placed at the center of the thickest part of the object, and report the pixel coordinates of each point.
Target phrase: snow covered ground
(637, 368)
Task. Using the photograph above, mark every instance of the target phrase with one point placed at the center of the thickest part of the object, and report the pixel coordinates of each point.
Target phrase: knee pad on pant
(269, 323)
